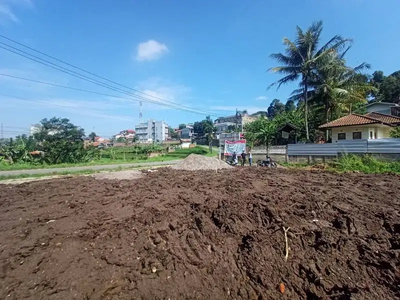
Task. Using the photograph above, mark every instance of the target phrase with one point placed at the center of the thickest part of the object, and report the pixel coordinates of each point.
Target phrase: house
(187, 132)
(373, 125)
(386, 108)
(185, 143)
(224, 127)
(240, 119)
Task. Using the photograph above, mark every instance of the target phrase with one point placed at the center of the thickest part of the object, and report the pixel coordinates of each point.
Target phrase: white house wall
(382, 131)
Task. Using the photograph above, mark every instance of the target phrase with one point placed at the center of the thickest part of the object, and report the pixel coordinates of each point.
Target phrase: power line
(78, 68)
(137, 98)
(86, 78)
(54, 104)
(88, 91)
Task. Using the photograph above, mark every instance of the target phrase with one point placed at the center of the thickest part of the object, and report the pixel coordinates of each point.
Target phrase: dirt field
(202, 235)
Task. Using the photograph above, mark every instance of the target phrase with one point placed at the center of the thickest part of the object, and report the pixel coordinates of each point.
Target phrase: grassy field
(366, 164)
(350, 163)
(105, 159)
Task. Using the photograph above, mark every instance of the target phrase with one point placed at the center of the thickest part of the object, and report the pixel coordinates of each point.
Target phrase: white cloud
(261, 98)
(8, 8)
(150, 50)
(230, 109)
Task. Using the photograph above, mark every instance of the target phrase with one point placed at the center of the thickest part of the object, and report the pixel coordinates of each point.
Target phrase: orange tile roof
(387, 119)
(370, 118)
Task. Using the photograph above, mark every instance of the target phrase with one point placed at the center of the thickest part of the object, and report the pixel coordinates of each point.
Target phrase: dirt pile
(195, 162)
(202, 235)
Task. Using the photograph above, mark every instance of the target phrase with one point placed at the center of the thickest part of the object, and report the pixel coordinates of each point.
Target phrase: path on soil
(202, 235)
(86, 168)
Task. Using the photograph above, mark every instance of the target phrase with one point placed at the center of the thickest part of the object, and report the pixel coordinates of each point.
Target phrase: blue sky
(208, 55)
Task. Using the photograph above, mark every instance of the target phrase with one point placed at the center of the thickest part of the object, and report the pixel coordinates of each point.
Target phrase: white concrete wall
(381, 131)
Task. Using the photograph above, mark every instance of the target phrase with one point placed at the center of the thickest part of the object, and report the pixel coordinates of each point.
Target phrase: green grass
(366, 164)
(350, 163)
(178, 154)
(294, 165)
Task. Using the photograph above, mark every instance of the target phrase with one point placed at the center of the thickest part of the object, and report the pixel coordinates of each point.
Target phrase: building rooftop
(383, 103)
(370, 118)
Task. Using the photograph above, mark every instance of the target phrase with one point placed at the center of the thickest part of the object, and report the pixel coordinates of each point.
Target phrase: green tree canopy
(301, 57)
(275, 108)
(61, 141)
(92, 136)
(388, 87)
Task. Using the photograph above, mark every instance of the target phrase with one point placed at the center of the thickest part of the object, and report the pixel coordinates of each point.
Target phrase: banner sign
(238, 147)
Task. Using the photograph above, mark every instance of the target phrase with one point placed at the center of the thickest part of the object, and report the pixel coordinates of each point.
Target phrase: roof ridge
(385, 115)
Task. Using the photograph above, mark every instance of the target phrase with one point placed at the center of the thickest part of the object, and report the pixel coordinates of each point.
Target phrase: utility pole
(1, 131)
(236, 119)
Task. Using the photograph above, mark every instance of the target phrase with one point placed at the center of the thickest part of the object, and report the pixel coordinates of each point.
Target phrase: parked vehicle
(268, 162)
(230, 161)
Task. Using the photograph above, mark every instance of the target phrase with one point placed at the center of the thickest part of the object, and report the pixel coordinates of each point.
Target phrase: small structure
(373, 125)
(185, 143)
(287, 134)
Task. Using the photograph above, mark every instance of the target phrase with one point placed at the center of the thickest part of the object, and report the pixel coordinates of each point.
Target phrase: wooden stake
(285, 230)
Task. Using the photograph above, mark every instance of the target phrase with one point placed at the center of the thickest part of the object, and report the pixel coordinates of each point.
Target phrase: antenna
(140, 113)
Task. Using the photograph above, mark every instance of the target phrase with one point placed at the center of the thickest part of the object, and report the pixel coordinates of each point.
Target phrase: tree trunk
(327, 120)
(305, 79)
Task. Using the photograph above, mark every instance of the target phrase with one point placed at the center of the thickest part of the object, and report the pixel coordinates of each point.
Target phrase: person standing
(243, 158)
(250, 158)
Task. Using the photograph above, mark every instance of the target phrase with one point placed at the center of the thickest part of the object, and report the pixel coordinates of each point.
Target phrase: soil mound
(202, 235)
(195, 162)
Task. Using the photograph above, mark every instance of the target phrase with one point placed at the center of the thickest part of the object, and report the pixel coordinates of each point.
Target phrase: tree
(209, 130)
(92, 136)
(181, 126)
(61, 141)
(172, 133)
(301, 57)
(275, 108)
(261, 132)
(336, 88)
(199, 127)
(395, 133)
(289, 106)
(388, 87)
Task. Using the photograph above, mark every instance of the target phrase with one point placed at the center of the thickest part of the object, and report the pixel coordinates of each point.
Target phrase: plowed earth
(202, 235)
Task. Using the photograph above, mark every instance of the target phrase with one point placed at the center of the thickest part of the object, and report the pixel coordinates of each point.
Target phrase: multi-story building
(152, 131)
(240, 119)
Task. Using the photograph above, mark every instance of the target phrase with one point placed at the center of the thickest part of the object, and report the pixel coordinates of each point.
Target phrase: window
(371, 135)
(341, 136)
(357, 135)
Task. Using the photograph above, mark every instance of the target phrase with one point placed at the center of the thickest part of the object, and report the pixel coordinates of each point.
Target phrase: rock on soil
(202, 235)
(195, 162)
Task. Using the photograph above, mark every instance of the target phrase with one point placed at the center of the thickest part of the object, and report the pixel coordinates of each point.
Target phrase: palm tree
(302, 56)
(336, 88)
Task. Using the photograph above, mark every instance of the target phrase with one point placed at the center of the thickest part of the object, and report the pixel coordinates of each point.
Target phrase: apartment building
(152, 131)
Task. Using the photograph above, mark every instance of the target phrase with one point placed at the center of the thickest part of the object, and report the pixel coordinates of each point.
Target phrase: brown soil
(202, 235)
